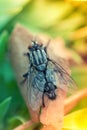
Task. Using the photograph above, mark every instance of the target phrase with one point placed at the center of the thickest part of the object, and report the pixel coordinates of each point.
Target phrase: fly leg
(43, 104)
(26, 74)
(25, 77)
(45, 48)
(26, 54)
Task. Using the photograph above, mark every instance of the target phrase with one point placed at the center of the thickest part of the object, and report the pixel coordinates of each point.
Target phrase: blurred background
(56, 18)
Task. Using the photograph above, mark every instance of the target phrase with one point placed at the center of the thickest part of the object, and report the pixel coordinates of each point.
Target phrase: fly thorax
(38, 59)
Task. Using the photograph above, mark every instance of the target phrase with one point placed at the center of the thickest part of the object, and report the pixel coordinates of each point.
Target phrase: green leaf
(3, 44)
(17, 118)
(76, 120)
(4, 107)
(10, 8)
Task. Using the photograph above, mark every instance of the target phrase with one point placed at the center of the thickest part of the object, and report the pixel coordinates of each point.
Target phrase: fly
(44, 76)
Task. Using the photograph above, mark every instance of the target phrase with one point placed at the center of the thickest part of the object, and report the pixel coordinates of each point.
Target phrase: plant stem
(72, 101)
(24, 126)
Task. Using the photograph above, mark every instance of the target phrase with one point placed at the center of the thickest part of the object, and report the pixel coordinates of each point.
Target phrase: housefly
(44, 76)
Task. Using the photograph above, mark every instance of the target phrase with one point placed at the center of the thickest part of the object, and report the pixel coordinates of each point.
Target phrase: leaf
(72, 22)
(17, 118)
(76, 120)
(80, 75)
(8, 9)
(43, 9)
(3, 44)
(76, 57)
(80, 46)
(36, 15)
(4, 107)
(11, 6)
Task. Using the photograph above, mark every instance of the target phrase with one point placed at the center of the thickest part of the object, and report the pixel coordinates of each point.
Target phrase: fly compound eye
(36, 42)
(33, 42)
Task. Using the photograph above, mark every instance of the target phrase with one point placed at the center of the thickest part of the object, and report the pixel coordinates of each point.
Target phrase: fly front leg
(25, 77)
(26, 54)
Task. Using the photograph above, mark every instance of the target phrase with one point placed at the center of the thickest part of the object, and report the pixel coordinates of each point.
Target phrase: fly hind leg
(43, 104)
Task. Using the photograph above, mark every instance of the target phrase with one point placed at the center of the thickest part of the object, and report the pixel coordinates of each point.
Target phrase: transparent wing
(34, 94)
(63, 78)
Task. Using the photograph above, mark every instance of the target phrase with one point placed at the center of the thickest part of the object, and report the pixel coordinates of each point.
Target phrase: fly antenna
(34, 41)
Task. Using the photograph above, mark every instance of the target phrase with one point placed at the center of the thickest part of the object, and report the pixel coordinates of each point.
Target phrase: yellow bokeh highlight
(76, 120)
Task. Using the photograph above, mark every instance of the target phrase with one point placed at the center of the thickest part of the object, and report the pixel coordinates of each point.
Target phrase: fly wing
(34, 92)
(63, 78)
